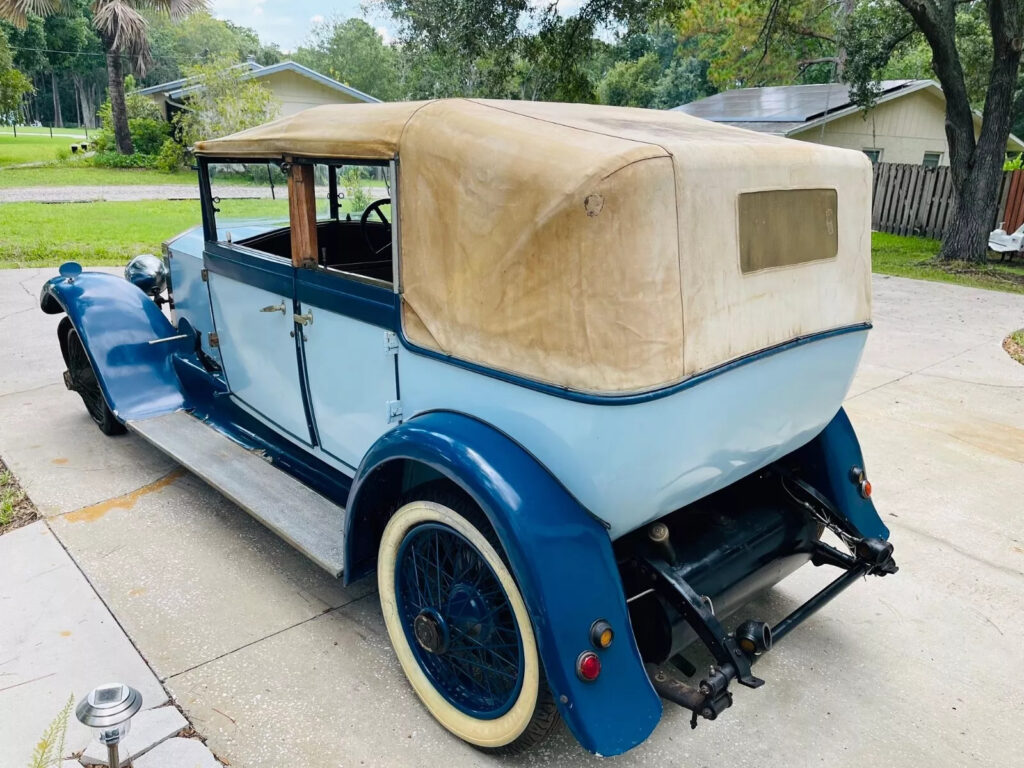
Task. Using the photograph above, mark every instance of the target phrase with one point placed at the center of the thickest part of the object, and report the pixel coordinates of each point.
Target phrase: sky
(287, 22)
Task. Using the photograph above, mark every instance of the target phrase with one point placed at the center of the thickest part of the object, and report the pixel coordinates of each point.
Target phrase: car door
(253, 298)
(350, 360)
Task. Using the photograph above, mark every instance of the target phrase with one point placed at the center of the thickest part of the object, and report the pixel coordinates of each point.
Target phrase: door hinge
(394, 411)
(204, 273)
(213, 339)
(390, 342)
(306, 319)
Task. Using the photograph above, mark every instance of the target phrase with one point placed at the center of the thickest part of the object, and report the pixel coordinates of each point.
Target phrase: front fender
(562, 559)
(116, 321)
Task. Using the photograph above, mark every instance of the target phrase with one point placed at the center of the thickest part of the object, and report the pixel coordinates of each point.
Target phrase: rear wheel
(460, 627)
(82, 379)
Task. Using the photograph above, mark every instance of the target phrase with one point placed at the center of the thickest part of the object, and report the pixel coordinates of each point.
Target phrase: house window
(932, 159)
(874, 155)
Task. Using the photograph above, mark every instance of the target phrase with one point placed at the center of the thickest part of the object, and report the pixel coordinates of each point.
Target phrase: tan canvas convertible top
(597, 248)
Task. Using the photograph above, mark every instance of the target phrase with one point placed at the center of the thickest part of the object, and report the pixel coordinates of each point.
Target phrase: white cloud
(317, 18)
(385, 34)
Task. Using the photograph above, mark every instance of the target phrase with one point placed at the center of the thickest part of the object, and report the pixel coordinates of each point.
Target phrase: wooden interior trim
(302, 212)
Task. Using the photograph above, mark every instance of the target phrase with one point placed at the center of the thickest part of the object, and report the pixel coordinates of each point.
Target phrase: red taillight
(588, 666)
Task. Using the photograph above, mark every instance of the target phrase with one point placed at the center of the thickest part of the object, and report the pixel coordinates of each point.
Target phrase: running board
(305, 519)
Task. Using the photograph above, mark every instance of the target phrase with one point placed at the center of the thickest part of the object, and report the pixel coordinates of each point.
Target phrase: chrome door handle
(275, 308)
(306, 319)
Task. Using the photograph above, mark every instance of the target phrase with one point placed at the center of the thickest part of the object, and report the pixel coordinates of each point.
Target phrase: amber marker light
(588, 666)
(865, 489)
(601, 634)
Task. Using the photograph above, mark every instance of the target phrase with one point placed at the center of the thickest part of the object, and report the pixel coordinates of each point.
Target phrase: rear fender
(828, 462)
(560, 554)
(116, 323)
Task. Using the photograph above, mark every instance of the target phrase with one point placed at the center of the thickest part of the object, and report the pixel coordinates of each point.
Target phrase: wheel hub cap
(431, 631)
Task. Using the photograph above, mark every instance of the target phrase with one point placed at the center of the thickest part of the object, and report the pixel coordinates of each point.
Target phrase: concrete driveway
(276, 664)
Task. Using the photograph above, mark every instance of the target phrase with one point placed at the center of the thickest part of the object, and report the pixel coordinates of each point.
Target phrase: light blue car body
(561, 475)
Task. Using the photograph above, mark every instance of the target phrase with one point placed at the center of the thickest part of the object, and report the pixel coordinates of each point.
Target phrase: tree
(353, 52)
(508, 48)
(225, 101)
(765, 42)
(177, 44)
(877, 30)
(631, 83)
(122, 31)
(13, 84)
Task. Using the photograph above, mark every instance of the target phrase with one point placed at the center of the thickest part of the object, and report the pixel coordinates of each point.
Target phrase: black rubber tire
(88, 387)
(545, 718)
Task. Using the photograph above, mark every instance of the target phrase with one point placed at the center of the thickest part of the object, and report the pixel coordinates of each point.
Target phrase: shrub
(114, 159)
(171, 157)
(63, 154)
(148, 135)
(355, 192)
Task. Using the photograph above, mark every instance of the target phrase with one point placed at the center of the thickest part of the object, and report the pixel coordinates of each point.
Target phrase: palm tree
(122, 30)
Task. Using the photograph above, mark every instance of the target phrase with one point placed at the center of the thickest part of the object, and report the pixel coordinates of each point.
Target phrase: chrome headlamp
(147, 273)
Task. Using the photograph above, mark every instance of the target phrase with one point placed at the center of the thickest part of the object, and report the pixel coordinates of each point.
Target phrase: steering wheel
(375, 207)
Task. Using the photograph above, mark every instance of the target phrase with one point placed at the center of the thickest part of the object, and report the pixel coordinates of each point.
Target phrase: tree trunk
(118, 108)
(979, 172)
(58, 118)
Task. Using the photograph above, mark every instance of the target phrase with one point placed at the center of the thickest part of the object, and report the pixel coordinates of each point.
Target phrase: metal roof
(178, 89)
(780, 104)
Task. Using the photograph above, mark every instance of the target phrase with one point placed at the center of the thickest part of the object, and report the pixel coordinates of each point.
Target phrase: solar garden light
(108, 710)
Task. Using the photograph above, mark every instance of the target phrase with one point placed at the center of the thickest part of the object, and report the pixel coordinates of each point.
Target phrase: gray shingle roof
(793, 104)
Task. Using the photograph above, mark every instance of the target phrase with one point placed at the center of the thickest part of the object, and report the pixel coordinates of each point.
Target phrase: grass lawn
(39, 235)
(915, 257)
(108, 233)
(31, 149)
(80, 175)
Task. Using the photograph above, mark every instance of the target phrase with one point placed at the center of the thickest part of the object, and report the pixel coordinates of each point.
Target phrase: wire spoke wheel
(459, 625)
(459, 621)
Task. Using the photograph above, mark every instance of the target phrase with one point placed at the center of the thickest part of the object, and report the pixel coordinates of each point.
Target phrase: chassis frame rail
(735, 653)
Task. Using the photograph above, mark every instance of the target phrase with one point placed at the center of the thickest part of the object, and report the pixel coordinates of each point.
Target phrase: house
(294, 86)
(906, 125)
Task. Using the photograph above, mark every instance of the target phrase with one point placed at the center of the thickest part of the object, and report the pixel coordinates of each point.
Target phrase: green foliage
(171, 158)
(227, 102)
(50, 749)
(356, 195)
(13, 83)
(63, 153)
(178, 44)
(143, 115)
(111, 158)
(353, 52)
(148, 135)
(763, 42)
(631, 83)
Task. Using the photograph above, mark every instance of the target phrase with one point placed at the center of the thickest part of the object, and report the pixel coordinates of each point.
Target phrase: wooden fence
(914, 200)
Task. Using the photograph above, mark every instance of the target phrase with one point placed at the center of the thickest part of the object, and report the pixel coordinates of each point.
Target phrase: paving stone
(179, 753)
(149, 728)
(57, 640)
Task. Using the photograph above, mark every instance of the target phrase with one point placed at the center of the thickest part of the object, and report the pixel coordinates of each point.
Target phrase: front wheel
(460, 627)
(82, 379)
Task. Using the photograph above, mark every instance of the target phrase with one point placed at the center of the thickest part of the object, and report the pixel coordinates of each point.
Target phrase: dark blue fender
(826, 463)
(116, 321)
(562, 558)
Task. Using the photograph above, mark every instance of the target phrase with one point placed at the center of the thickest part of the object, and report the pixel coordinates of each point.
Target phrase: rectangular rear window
(782, 227)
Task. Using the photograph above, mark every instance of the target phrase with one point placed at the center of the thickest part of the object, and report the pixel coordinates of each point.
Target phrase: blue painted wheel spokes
(458, 621)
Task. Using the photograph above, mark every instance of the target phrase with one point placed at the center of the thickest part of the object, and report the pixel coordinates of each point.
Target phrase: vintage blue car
(567, 378)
